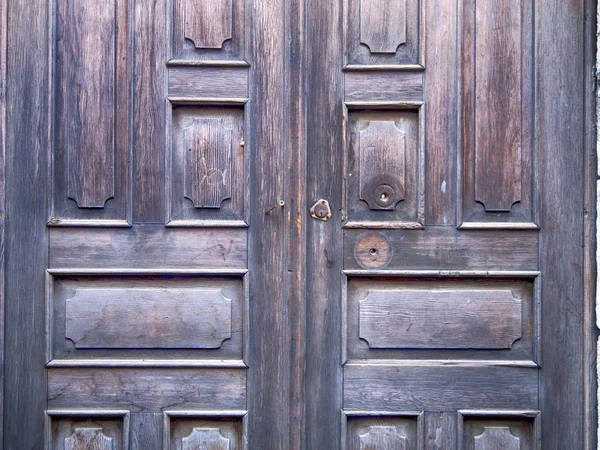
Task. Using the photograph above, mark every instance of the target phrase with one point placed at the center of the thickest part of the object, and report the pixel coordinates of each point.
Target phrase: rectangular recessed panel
(439, 387)
(449, 318)
(491, 430)
(148, 317)
(381, 432)
(372, 86)
(148, 247)
(441, 318)
(191, 430)
(102, 430)
(147, 389)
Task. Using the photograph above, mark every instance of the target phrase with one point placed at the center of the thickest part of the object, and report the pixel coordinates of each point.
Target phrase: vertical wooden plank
(440, 431)
(560, 123)
(3, 54)
(27, 145)
(325, 145)
(440, 53)
(268, 359)
(149, 120)
(297, 214)
(146, 431)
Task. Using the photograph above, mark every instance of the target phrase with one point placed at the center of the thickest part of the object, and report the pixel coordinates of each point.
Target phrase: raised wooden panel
(383, 88)
(207, 30)
(190, 430)
(450, 318)
(105, 317)
(378, 431)
(415, 386)
(91, 110)
(146, 317)
(208, 23)
(88, 429)
(206, 166)
(491, 430)
(497, 109)
(89, 438)
(382, 32)
(382, 24)
(445, 318)
(384, 168)
(148, 247)
(149, 389)
(382, 156)
(445, 249)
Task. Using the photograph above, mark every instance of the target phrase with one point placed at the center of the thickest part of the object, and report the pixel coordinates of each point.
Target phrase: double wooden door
(317, 224)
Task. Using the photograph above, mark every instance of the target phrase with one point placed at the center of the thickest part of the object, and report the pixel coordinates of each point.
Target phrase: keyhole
(384, 196)
(373, 251)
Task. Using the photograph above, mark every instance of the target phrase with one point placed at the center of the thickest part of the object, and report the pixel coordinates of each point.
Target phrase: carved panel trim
(382, 437)
(207, 162)
(89, 438)
(382, 24)
(440, 318)
(205, 438)
(208, 23)
(495, 438)
(382, 165)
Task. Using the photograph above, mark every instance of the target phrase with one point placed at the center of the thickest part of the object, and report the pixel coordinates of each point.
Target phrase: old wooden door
(316, 224)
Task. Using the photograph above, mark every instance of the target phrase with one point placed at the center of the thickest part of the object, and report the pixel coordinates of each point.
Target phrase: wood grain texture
(438, 317)
(324, 179)
(207, 177)
(382, 86)
(207, 163)
(149, 109)
(381, 32)
(449, 249)
(102, 317)
(269, 372)
(562, 231)
(382, 170)
(3, 132)
(440, 95)
(25, 248)
(207, 23)
(496, 115)
(388, 165)
(441, 318)
(382, 24)
(148, 246)
(382, 437)
(208, 82)
(205, 438)
(498, 104)
(390, 387)
(146, 431)
(497, 437)
(149, 391)
(440, 430)
(86, 78)
(88, 438)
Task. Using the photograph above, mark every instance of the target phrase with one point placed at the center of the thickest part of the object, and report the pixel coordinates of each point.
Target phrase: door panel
(166, 287)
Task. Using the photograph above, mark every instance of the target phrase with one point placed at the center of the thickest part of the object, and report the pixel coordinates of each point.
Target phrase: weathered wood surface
(208, 24)
(446, 387)
(449, 249)
(208, 82)
(440, 318)
(371, 86)
(382, 24)
(147, 246)
(118, 317)
(150, 390)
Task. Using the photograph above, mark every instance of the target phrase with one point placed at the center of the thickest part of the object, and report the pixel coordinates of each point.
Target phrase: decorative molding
(382, 438)
(208, 23)
(497, 438)
(89, 438)
(382, 24)
(205, 438)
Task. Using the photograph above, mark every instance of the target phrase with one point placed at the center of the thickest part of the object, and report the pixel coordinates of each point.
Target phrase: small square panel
(187, 430)
(384, 165)
(205, 167)
(508, 430)
(378, 431)
(79, 430)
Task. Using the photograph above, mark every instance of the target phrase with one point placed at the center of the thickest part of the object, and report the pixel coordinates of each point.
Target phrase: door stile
(324, 140)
